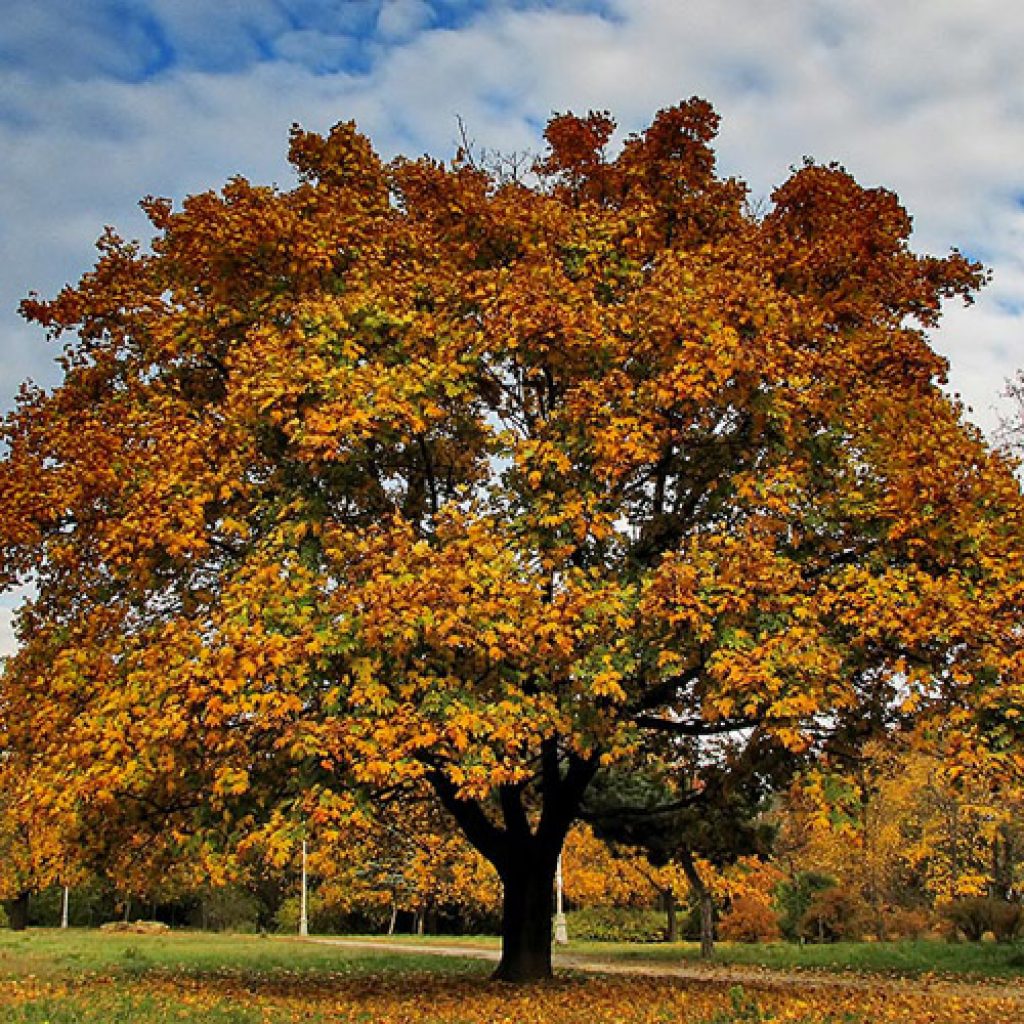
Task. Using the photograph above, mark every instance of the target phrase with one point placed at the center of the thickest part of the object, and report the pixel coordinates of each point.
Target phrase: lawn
(87, 977)
(975, 959)
(905, 957)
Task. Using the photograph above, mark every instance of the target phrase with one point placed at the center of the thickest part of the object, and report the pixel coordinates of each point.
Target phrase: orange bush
(749, 919)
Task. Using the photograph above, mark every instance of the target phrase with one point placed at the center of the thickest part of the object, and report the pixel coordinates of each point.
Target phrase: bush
(973, 916)
(833, 914)
(749, 920)
(136, 928)
(228, 908)
(325, 917)
(616, 924)
(905, 923)
(792, 898)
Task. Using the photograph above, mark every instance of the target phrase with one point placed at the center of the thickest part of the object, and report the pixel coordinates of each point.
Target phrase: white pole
(64, 910)
(561, 931)
(303, 919)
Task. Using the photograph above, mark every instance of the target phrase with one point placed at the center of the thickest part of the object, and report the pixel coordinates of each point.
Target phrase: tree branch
(696, 726)
(470, 817)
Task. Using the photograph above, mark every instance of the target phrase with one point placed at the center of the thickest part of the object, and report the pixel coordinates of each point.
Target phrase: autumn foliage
(408, 476)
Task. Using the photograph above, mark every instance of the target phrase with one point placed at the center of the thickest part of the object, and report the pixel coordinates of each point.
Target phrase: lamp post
(303, 919)
(561, 932)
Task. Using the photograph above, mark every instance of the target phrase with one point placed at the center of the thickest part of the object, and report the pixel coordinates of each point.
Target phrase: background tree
(405, 474)
(905, 828)
(36, 830)
(702, 806)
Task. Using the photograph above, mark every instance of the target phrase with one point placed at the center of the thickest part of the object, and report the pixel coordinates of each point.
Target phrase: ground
(78, 977)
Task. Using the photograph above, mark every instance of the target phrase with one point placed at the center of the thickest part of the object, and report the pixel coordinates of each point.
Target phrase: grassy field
(80, 977)
(907, 957)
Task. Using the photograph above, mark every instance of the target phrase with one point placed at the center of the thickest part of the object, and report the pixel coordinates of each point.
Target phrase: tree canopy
(409, 475)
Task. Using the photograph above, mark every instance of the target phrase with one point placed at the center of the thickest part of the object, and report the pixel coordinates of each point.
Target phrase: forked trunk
(526, 920)
(17, 912)
(524, 852)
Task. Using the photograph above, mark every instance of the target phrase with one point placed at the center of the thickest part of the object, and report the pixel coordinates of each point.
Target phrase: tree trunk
(707, 926)
(17, 912)
(703, 894)
(524, 851)
(671, 918)
(526, 920)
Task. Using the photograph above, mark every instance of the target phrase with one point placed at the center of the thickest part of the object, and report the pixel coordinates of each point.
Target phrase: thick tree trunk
(17, 912)
(524, 850)
(526, 920)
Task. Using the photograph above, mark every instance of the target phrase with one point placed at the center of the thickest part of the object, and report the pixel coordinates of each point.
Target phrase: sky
(105, 101)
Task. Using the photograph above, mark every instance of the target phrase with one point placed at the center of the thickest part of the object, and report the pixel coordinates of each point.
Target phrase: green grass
(53, 953)
(92, 977)
(907, 957)
(904, 957)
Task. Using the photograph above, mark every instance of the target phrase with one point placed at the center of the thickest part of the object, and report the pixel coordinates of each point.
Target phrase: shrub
(327, 917)
(833, 914)
(136, 928)
(749, 920)
(228, 908)
(904, 923)
(793, 897)
(973, 916)
(616, 924)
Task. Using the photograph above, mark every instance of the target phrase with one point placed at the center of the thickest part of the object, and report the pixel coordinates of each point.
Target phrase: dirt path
(722, 974)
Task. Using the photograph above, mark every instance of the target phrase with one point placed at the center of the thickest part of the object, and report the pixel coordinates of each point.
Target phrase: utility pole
(561, 931)
(64, 909)
(303, 918)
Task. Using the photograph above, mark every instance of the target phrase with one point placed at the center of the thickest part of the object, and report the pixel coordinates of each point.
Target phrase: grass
(55, 954)
(90, 977)
(906, 957)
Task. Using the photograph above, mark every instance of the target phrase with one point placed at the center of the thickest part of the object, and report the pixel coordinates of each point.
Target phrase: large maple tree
(411, 475)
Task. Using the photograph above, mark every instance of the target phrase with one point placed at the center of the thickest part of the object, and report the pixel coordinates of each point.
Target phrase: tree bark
(17, 912)
(526, 919)
(524, 851)
(703, 894)
(671, 918)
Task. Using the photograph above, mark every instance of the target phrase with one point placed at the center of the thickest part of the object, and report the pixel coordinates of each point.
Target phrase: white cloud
(316, 51)
(400, 19)
(927, 99)
(66, 38)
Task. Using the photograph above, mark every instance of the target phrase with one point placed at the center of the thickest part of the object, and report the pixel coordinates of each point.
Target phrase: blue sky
(104, 101)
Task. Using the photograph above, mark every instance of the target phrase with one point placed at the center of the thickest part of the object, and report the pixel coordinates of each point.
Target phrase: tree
(404, 858)
(703, 802)
(403, 475)
(35, 851)
(909, 824)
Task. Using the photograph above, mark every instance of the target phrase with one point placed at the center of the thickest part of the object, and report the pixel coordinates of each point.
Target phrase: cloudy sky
(105, 101)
